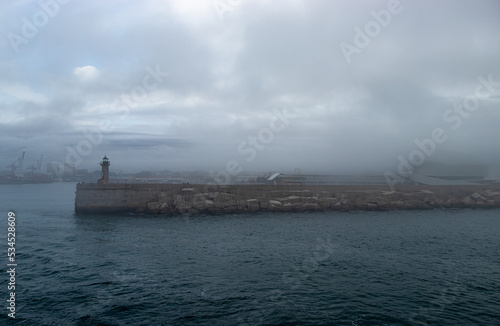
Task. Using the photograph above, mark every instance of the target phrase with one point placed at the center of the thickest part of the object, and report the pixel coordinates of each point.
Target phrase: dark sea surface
(438, 267)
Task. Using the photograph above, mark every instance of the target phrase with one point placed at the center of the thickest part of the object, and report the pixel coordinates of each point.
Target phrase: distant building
(243, 179)
(319, 179)
(57, 169)
(449, 168)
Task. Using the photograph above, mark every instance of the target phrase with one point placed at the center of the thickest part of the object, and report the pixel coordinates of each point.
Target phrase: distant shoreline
(173, 199)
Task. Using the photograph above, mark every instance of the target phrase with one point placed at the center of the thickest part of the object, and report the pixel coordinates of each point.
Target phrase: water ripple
(392, 268)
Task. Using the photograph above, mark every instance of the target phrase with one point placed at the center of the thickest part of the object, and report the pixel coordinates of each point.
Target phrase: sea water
(436, 267)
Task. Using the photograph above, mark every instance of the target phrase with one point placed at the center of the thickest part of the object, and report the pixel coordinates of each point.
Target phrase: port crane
(18, 175)
(21, 160)
(19, 171)
(38, 166)
(17, 168)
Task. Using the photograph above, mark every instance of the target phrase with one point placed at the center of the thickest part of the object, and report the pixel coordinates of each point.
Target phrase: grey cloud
(225, 78)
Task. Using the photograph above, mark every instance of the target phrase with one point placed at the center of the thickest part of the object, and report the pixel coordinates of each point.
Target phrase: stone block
(219, 204)
(293, 199)
(229, 203)
(225, 196)
(468, 200)
(274, 202)
(199, 198)
(200, 205)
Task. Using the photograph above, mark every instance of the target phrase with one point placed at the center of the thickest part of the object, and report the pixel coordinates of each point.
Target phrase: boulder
(274, 202)
(476, 195)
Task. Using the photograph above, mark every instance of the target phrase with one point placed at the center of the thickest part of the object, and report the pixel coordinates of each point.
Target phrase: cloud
(225, 78)
(86, 73)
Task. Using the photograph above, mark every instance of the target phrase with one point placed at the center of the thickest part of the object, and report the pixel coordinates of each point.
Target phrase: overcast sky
(325, 86)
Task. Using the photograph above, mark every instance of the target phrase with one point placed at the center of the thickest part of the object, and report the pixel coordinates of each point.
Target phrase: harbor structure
(105, 197)
(105, 170)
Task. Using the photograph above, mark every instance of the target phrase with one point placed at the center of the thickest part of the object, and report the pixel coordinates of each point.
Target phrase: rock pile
(237, 199)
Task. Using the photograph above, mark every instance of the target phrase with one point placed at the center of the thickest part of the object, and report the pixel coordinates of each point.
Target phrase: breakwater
(173, 199)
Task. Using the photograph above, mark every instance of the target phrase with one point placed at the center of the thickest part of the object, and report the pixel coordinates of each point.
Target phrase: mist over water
(434, 267)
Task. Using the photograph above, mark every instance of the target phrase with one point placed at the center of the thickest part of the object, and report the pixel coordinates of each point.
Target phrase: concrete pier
(171, 199)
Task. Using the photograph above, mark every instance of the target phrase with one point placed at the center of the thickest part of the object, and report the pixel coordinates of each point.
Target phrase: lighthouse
(105, 170)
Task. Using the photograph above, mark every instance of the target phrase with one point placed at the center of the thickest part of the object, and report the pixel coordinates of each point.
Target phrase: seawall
(174, 199)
